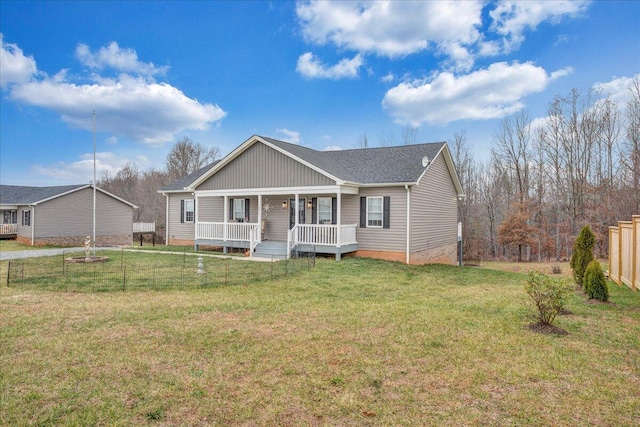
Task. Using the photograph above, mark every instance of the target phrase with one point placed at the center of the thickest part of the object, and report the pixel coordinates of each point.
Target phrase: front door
(301, 211)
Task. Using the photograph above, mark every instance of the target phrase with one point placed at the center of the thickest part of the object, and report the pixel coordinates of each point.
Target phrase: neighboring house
(63, 215)
(396, 203)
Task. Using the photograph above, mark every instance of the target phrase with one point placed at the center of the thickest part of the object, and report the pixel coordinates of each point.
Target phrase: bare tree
(363, 141)
(187, 156)
(409, 135)
(386, 139)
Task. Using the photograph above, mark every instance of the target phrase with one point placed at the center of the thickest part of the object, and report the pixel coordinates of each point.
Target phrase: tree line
(546, 178)
(141, 187)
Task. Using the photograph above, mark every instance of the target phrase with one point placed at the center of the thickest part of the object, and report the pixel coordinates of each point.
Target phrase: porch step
(271, 249)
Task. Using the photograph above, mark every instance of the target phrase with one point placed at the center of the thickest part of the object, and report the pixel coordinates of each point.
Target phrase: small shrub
(595, 283)
(547, 295)
(582, 253)
(555, 269)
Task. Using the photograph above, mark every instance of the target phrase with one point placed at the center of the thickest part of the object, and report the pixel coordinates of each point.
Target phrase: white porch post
(339, 221)
(259, 217)
(225, 216)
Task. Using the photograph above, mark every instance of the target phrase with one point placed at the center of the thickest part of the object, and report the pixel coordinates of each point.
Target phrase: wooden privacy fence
(624, 253)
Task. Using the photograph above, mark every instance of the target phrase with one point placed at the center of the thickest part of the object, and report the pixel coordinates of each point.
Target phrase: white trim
(276, 191)
(166, 226)
(408, 257)
(242, 148)
(381, 211)
(184, 213)
(8, 207)
(82, 187)
(448, 159)
(32, 223)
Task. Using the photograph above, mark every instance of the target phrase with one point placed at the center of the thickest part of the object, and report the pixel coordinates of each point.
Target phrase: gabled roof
(184, 182)
(395, 165)
(21, 195)
(382, 165)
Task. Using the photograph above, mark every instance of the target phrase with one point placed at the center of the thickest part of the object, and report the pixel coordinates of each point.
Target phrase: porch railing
(144, 227)
(238, 231)
(321, 234)
(8, 228)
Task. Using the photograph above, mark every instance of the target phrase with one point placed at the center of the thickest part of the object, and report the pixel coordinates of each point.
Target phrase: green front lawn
(356, 342)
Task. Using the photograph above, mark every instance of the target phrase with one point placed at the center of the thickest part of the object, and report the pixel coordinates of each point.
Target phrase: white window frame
(189, 208)
(381, 212)
(26, 218)
(239, 214)
(324, 216)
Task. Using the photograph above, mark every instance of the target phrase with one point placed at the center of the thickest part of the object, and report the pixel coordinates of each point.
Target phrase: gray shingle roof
(19, 195)
(186, 180)
(382, 165)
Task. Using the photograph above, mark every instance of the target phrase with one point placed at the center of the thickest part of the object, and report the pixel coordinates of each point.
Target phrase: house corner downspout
(166, 219)
(33, 224)
(408, 253)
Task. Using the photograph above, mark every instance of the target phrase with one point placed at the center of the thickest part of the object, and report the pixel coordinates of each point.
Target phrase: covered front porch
(269, 224)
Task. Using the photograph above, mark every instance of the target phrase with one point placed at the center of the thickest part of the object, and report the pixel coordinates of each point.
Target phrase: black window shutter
(181, 210)
(334, 210)
(363, 212)
(230, 208)
(247, 209)
(386, 212)
(314, 210)
(194, 210)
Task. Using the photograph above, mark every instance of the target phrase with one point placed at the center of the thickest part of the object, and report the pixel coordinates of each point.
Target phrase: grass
(356, 342)
(13, 245)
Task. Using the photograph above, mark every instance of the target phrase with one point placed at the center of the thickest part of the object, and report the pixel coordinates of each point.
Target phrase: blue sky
(318, 74)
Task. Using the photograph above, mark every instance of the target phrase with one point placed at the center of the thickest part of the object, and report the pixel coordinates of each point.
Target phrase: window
(324, 210)
(9, 217)
(238, 210)
(26, 218)
(188, 210)
(374, 211)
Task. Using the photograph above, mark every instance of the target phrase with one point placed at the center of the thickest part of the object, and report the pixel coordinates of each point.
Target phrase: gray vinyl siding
(392, 239)
(261, 166)
(24, 231)
(71, 215)
(434, 209)
(178, 230)
(210, 209)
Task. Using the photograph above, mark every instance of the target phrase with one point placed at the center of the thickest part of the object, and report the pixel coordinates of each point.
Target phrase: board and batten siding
(261, 166)
(392, 239)
(434, 209)
(177, 229)
(71, 215)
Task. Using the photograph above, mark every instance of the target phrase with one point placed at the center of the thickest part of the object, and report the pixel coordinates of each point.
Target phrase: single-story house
(63, 215)
(271, 197)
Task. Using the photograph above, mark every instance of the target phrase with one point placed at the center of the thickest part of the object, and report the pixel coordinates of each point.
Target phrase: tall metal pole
(94, 183)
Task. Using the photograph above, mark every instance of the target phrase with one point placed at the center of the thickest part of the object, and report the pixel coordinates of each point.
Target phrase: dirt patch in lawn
(546, 329)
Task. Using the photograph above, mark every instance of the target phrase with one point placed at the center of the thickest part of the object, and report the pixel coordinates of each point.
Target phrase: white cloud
(81, 171)
(14, 66)
(291, 135)
(617, 89)
(389, 28)
(489, 93)
(388, 78)
(332, 148)
(311, 67)
(452, 29)
(511, 18)
(134, 107)
(125, 60)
